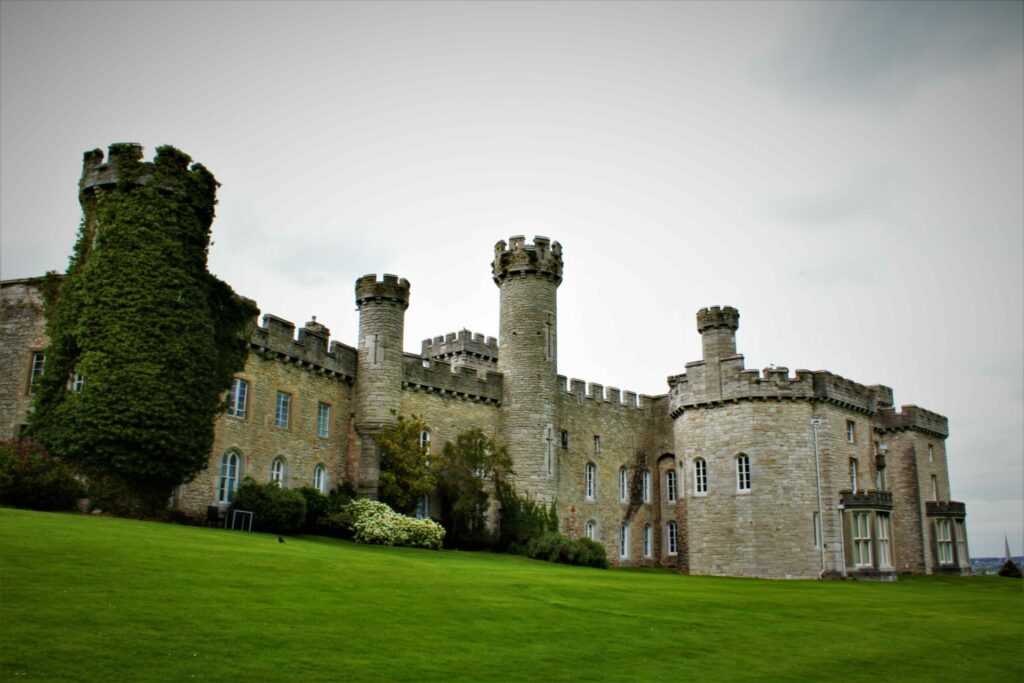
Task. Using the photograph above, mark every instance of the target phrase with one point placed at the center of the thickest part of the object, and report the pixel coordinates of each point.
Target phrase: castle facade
(731, 472)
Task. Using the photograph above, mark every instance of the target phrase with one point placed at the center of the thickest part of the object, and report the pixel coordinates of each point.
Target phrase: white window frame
(320, 478)
(647, 541)
(645, 480)
(238, 398)
(672, 536)
(743, 473)
(76, 382)
(960, 532)
(323, 420)
(37, 368)
(591, 530)
(931, 454)
(597, 444)
(623, 484)
(861, 539)
(425, 440)
(227, 479)
(700, 477)
(671, 485)
(590, 481)
(278, 471)
(935, 487)
(283, 410)
(816, 528)
(853, 474)
(943, 541)
(883, 543)
(623, 541)
(851, 431)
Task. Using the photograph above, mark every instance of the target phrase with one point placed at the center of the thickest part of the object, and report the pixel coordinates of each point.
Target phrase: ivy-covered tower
(379, 368)
(528, 276)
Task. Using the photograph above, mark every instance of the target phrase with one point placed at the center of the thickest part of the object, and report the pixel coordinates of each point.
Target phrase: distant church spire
(1007, 542)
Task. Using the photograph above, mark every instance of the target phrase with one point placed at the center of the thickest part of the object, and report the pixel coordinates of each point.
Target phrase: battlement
(389, 288)
(457, 381)
(312, 349)
(717, 317)
(459, 343)
(913, 418)
(543, 258)
(169, 169)
(601, 395)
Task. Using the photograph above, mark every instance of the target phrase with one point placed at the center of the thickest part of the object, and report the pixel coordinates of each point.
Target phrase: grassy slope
(101, 599)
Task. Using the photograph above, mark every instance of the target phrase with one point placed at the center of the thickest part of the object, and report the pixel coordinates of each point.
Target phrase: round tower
(717, 327)
(379, 368)
(528, 276)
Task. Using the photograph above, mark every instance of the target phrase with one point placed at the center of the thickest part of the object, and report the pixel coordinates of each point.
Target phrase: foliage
(317, 507)
(521, 519)
(376, 523)
(554, 547)
(32, 478)
(1010, 569)
(466, 472)
(154, 334)
(276, 509)
(405, 469)
(636, 486)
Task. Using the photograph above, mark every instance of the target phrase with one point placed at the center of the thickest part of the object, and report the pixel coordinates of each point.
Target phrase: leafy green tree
(468, 470)
(406, 472)
(155, 336)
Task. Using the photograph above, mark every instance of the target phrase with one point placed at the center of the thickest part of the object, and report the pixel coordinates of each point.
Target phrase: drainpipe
(842, 539)
(815, 422)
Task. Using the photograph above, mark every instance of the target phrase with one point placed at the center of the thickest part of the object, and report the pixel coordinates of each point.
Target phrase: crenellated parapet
(912, 418)
(312, 349)
(169, 170)
(390, 288)
(543, 258)
(718, 317)
(463, 346)
(455, 381)
(598, 394)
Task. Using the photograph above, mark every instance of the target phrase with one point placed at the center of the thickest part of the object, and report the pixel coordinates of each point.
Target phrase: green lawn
(100, 599)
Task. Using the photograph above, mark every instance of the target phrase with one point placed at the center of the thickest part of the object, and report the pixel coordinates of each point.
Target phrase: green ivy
(155, 335)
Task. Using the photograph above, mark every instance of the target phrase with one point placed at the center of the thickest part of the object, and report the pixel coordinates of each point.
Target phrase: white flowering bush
(374, 522)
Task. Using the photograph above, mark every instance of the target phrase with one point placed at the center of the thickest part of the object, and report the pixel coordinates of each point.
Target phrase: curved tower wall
(528, 276)
(379, 366)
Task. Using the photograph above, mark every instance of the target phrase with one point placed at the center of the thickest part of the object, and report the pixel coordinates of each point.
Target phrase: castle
(731, 472)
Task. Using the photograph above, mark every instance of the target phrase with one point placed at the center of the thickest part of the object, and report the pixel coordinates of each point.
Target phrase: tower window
(565, 439)
(597, 445)
(323, 420)
(646, 485)
(700, 476)
(851, 431)
(282, 410)
(670, 485)
(742, 472)
(590, 483)
(238, 399)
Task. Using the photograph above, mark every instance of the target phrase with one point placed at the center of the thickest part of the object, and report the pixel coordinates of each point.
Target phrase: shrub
(317, 506)
(554, 547)
(522, 519)
(1010, 569)
(376, 523)
(277, 510)
(32, 478)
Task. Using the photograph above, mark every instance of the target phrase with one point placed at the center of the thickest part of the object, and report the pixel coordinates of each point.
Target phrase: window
(935, 487)
(623, 484)
(323, 420)
(862, 539)
(592, 530)
(853, 474)
(931, 453)
(38, 363)
(700, 476)
(238, 399)
(320, 479)
(670, 485)
(283, 409)
(590, 485)
(597, 445)
(742, 472)
(624, 540)
(961, 541)
(277, 472)
(565, 440)
(549, 449)
(422, 506)
(851, 431)
(647, 540)
(672, 533)
(943, 541)
(227, 481)
(880, 482)
(882, 541)
(646, 485)
(425, 440)
(76, 382)
(816, 527)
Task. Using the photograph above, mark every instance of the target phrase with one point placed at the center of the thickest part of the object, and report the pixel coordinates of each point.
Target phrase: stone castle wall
(22, 333)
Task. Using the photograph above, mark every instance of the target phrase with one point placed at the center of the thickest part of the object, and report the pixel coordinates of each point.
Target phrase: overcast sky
(849, 176)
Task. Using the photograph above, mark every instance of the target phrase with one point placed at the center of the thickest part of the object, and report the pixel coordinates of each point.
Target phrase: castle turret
(528, 276)
(382, 305)
(717, 327)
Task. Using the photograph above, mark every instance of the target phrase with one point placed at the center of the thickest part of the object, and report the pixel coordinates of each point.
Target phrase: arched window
(425, 440)
(277, 472)
(623, 484)
(671, 537)
(647, 540)
(320, 479)
(590, 485)
(624, 540)
(742, 472)
(670, 485)
(592, 530)
(700, 476)
(646, 479)
(227, 481)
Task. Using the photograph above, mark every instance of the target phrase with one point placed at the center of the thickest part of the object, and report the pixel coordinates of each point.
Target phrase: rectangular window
(943, 541)
(670, 485)
(961, 542)
(646, 485)
(700, 476)
(624, 541)
(931, 453)
(565, 440)
(323, 420)
(882, 542)
(673, 544)
(597, 445)
(647, 540)
(238, 399)
(851, 431)
(880, 482)
(853, 474)
(282, 410)
(743, 473)
(38, 363)
(76, 383)
(623, 484)
(935, 487)
(590, 484)
(816, 528)
(862, 539)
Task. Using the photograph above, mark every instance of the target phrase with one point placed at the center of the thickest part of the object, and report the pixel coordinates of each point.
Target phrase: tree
(139, 317)
(406, 472)
(468, 470)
